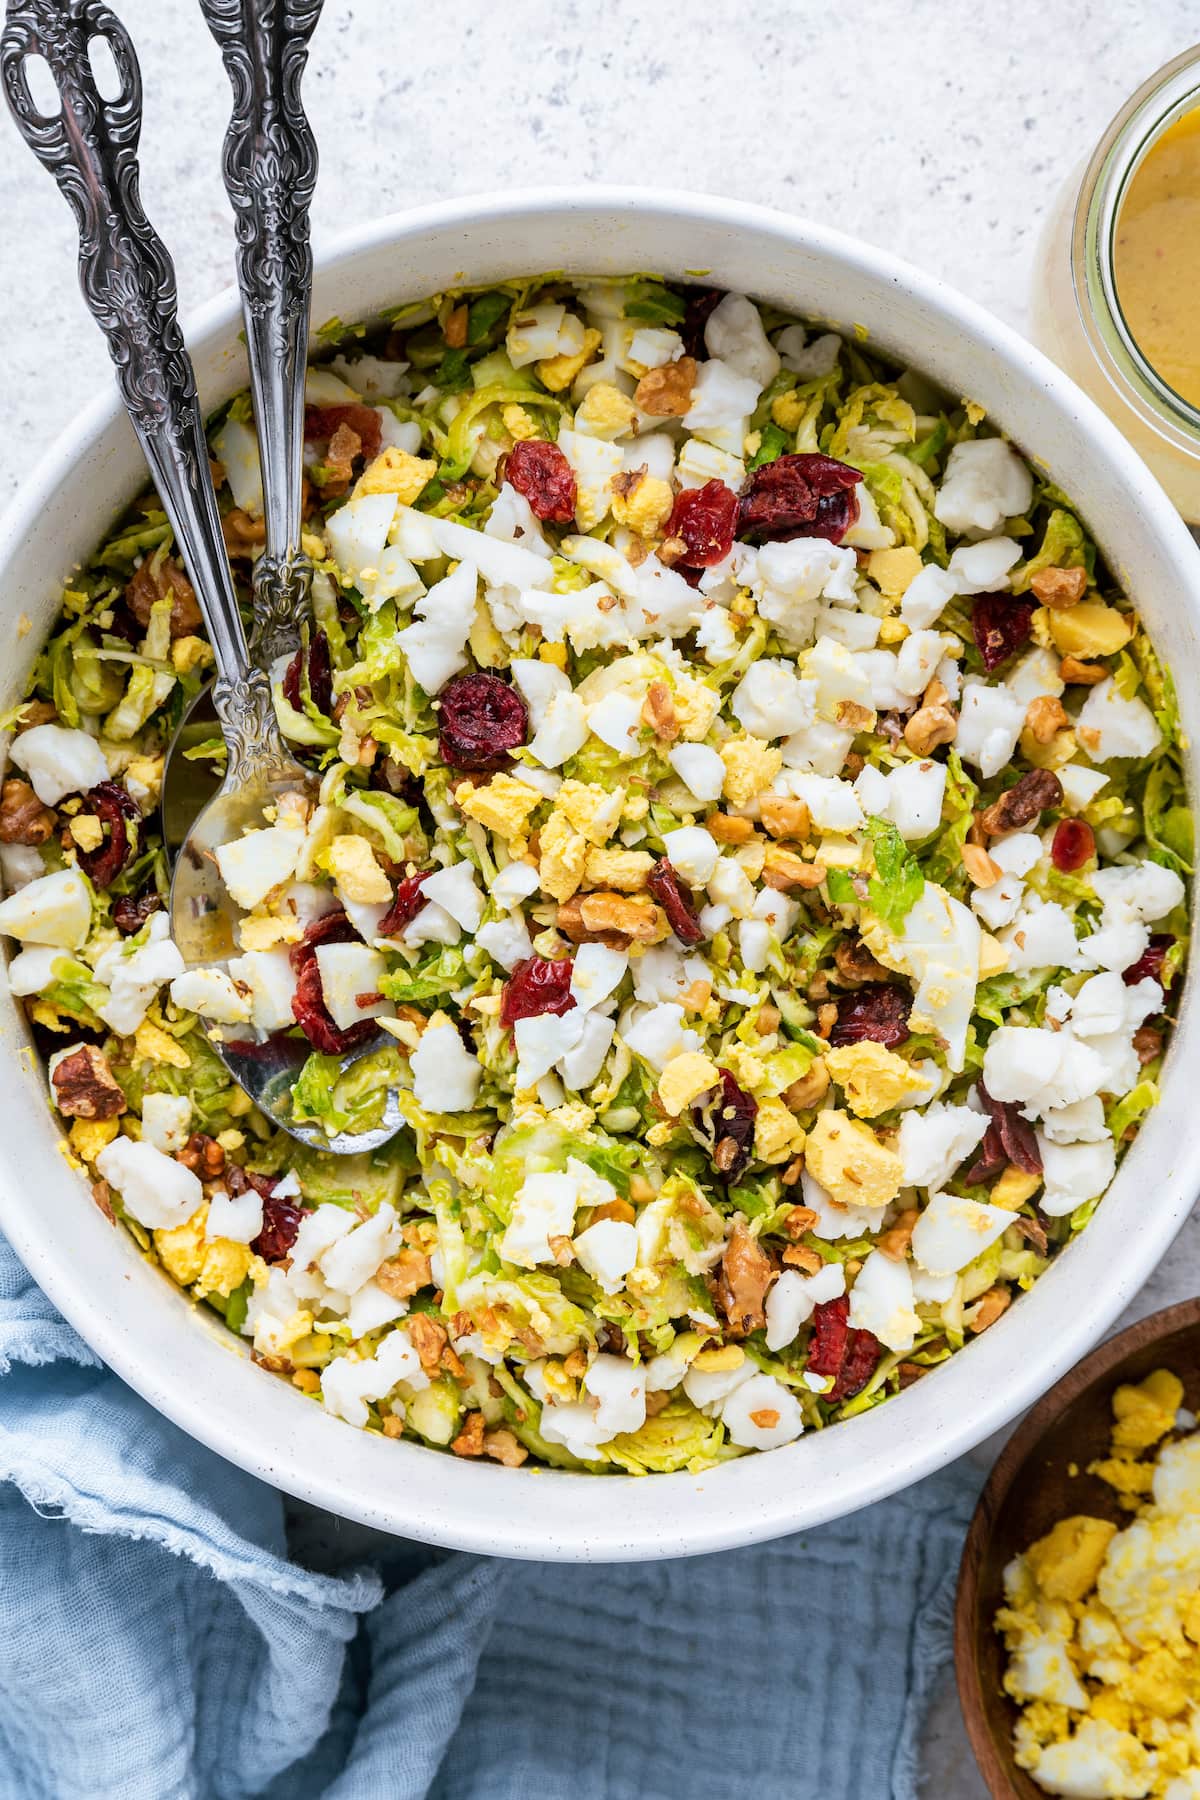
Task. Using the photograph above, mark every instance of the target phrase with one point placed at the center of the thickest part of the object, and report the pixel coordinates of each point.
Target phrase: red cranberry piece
(831, 1329)
(703, 519)
(878, 1011)
(1001, 626)
(1074, 844)
(1149, 965)
(131, 911)
(536, 986)
(664, 883)
(480, 720)
(313, 1017)
(700, 306)
(541, 472)
(858, 1365)
(1008, 1139)
(725, 1120)
(407, 902)
(799, 495)
(320, 676)
(320, 423)
(331, 928)
(281, 1222)
(110, 803)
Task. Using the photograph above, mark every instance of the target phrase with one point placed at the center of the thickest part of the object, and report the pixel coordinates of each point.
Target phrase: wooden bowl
(1030, 1489)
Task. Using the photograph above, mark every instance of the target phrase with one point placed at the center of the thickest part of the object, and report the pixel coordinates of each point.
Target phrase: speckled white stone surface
(939, 129)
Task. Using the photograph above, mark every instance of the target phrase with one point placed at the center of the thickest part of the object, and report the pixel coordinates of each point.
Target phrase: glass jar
(1076, 315)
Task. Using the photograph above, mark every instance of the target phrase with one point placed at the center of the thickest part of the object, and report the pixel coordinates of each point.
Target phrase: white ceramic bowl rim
(183, 1362)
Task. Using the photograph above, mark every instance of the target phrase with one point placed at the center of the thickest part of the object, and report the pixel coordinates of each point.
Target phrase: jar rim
(1170, 93)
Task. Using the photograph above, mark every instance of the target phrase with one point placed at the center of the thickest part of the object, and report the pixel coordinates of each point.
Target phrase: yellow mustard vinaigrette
(1156, 257)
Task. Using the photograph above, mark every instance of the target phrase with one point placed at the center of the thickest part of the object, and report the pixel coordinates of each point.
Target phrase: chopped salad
(747, 838)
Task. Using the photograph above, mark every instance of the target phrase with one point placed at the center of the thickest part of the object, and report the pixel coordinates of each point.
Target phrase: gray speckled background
(940, 129)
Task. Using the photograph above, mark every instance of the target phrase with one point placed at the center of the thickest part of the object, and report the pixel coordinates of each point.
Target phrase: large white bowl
(179, 1357)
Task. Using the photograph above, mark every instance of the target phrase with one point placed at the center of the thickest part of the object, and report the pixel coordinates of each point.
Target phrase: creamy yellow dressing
(1157, 257)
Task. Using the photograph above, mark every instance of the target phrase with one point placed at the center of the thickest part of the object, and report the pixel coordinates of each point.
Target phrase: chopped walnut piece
(562, 1250)
(987, 1310)
(799, 1220)
(826, 1018)
(657, 1401)
(785, 817)
(1059, 587)
(809, 1090)
(799, 1256)
(979, 866)
(102, 1195)
(469, 1441)
(1045, 717)
(1081, 674)
(727, 829)
(391, 1426)
(455, 328)
(638, 920)
(244, 536)
(786, 869)
(910, 1372)
(793, 1172)
(337, 468)
(895, 1240)
(154, 580)
(745, 1277)
(1148, 1043)
(203, 1156)
(429, 1340)
(853, 717)
(658, 711)
(1023, 803)
(569, 920)
(35, 712)
(23, 818)
(666, 392)
(617, 1209)
(308, 1381)
(929, 727)
(405, 1274)
(85, 1087)
(503, 1447)
(855, 963)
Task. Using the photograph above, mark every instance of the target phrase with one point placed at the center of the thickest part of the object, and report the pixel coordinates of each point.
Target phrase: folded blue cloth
(156, 1641)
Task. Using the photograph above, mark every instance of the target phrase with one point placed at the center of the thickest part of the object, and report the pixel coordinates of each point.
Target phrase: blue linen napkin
(156, 1641)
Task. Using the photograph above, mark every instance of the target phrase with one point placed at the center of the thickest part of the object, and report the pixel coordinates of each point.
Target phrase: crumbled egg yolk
(873, 1078)
(351, 862)
(646, 505)
(847, 1159)
(209, 1265)
(503, 806)
(396, 472)
(750, 766)
(1102, 1625)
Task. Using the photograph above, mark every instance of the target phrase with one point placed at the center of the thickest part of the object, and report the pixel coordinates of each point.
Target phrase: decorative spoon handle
(270, 169)
(128, 282)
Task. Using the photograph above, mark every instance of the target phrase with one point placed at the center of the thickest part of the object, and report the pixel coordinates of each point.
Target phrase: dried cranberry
(308, 1001)
(407, 902)
(701, 303)
(313, 1017)
(541, 472)
(537, 986)
(320, 423)
(1074, 844)
(877, 1011)
(1008, 1139)
(1001, 626)
(320, 676)
(664, 883)
(799, 495)
(281, 1222)
(480, 720)
(131, 911)
(703, 520)
(858, 1366)
(1149, 965)
(725, 1121)
(117, 809)
(831, 1330)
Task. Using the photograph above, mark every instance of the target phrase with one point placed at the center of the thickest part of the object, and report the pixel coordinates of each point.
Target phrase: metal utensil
(128, 282)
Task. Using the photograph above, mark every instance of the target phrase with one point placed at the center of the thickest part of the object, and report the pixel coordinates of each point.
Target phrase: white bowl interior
(180, 1357)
